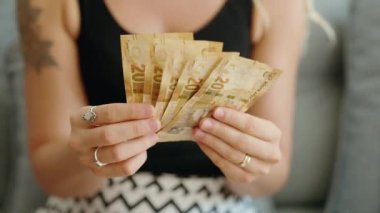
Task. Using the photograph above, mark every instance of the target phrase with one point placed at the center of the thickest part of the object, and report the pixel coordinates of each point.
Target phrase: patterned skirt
(146, 193)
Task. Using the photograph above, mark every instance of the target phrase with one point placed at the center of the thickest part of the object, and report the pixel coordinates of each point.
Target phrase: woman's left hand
(230, 135)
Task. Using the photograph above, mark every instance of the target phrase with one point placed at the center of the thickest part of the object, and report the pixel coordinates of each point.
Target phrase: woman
(72, 55)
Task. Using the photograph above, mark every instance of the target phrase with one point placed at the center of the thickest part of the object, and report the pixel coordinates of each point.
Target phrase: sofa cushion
(4, 135)
(7, 25)
(23, 187)
(356, 185)
(19, 191)
(7, 32)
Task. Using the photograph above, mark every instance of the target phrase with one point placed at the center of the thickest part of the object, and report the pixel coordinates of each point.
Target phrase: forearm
(59, 172)
(280, 47)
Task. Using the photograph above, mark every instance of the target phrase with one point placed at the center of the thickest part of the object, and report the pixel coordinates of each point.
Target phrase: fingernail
(206, 124)
(155, 124)
(198, 134)
(219, 113)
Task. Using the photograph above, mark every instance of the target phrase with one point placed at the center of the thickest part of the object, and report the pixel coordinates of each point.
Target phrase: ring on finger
(246, 161)
(90, 116)
(97, 161)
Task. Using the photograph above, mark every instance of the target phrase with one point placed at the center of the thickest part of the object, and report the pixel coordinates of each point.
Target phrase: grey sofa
(18, 189)
(317, 123)
(319, 95)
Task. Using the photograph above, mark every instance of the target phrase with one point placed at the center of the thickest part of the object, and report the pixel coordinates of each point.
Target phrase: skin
(62, 144)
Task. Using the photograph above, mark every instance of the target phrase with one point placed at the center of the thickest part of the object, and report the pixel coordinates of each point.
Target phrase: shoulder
(272, 16)
(43, 12)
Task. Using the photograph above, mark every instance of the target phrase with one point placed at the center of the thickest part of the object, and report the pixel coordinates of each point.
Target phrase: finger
(122, 151)
(116, 133)
(223, 149)
(113, 113)
(121, 169)
(249, 124)
(231, 171)
(241, 141)
(256, 166)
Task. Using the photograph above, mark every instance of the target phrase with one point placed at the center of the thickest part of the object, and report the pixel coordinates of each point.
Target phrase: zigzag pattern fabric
(146, 193)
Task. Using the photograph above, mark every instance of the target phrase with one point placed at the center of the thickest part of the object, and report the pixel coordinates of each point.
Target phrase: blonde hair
(313, 15)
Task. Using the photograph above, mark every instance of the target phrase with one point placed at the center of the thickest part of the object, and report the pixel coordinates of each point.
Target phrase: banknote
(235, 83)
(184, 51)
(153, 74)
(137, 59)
(162, 49)
(186, 79)
(191, 79)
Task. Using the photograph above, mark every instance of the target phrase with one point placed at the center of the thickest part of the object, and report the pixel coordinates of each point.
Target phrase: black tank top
(102, 74)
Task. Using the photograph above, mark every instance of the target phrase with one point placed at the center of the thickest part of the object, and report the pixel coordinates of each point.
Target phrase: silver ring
(97, 161)
(90, 115)
(246, 161)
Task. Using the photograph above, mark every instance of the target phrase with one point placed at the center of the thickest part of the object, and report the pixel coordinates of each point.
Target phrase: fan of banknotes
(185, 79)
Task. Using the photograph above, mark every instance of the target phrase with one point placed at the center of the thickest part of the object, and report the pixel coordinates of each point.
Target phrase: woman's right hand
(123, 133)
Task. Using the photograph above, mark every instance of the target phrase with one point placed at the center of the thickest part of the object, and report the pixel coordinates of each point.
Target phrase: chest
(147, 16)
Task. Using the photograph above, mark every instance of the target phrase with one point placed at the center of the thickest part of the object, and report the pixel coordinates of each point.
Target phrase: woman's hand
(231, 135)
(123, 133)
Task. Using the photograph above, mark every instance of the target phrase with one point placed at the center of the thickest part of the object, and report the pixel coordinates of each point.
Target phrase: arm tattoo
(36, 50)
